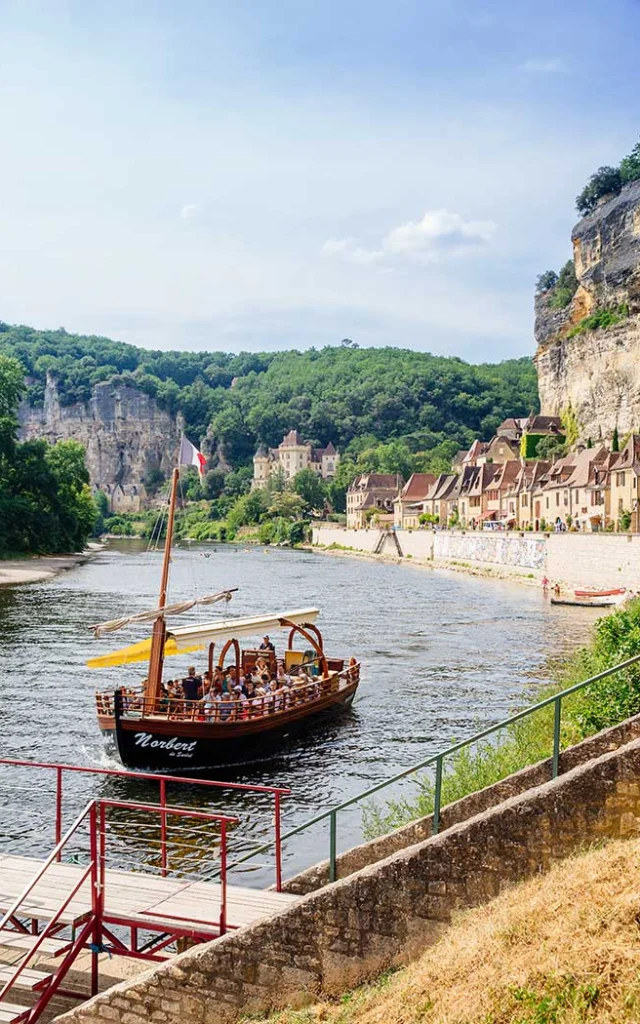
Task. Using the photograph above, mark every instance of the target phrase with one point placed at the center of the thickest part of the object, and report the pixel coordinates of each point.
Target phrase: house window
(596, 498)
(557, 497)
(566, 498)
(525, 500)
(547, 502)
(620, 479)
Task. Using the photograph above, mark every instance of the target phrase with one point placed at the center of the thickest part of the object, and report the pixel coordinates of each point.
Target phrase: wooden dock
(135, 898)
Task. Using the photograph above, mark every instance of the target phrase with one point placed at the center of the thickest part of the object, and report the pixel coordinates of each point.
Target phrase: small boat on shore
(595, 594)
(158, 729)
(581, 602)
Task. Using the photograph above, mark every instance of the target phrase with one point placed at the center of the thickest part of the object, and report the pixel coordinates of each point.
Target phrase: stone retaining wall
(385, 914)
(461, 810)
(575, 559)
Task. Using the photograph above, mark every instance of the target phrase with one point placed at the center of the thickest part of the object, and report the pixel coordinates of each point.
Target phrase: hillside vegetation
(562, 949)
(357, 398)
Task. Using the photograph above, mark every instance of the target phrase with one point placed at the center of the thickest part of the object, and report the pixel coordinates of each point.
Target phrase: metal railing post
(557, 708)
(163, 826)
(333, 836)
(437, 796)
(58, 809)
(278, 843)
(95, 898)
(223, 877)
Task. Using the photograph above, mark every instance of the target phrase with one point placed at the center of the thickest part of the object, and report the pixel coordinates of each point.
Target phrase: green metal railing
(437, 760)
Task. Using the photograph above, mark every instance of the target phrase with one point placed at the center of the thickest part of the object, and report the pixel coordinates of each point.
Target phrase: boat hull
(156, 744)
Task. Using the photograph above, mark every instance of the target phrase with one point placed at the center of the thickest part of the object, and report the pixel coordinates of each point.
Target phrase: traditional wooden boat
(152, 730)
(617, 592)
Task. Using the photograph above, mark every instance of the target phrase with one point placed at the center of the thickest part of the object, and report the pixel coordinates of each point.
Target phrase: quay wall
(386, 914)
(573, 559)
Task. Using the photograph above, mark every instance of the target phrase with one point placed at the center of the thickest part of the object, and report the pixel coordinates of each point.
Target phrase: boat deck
(135, 898)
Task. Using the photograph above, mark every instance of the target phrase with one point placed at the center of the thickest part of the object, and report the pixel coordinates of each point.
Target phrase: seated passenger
(266, 645)
(261, 666)
(227, 708)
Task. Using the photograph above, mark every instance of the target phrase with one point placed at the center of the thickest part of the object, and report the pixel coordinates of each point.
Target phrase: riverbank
(41, 568)
(570, 560)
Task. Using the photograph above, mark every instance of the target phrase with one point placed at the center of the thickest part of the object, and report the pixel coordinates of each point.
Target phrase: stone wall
(576, 560)
(461, 810)
(384, 915)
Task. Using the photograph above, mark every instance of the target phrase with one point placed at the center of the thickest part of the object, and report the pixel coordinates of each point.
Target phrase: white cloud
(349, 250)
(546, 66)
(437, 235)
(190, 211)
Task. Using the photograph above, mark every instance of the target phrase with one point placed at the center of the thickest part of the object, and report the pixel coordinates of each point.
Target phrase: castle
(292, 455)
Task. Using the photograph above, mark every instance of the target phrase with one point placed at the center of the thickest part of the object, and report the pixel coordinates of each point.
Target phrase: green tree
(546, 281)
(288, 505)
(606, 181)
(12, 387)
(615, 441)
(311, 488)
(630, 166)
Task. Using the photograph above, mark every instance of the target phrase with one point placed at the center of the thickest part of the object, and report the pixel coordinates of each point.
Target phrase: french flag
(190, 456)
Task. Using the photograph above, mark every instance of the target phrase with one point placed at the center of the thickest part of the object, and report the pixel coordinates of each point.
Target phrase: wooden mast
(158, 636)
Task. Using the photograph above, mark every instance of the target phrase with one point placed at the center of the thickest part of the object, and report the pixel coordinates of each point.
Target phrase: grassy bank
(615, 638)
(561, 949)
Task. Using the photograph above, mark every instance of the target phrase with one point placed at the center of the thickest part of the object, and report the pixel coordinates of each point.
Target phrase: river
(443, 655)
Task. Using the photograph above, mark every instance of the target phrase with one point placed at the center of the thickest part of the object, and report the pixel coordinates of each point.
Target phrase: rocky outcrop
(596, 372)
(124, 431)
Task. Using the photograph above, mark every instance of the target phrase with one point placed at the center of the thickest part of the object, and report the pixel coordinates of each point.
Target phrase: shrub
(604, 318)
(546, 281)
(630, 166)
(606, 181)
(565, 288)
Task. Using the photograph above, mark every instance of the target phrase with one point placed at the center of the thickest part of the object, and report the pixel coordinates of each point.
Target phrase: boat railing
(136, 705)
(68, 771)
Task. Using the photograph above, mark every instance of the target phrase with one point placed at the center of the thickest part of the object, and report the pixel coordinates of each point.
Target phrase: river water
(443, 656)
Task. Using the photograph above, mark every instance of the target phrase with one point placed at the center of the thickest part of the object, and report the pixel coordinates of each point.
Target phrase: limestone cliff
(124, 432)
(597, 372)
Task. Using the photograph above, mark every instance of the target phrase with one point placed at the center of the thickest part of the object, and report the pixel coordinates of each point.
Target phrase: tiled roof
(417, 486)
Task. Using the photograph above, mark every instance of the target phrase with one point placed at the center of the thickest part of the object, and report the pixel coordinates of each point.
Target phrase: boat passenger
(211, 704)
(261, 666)
(191, 684)
(227, 708)
(352, 671)
(266, 644)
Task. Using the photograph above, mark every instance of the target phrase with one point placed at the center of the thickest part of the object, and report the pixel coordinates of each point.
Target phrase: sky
(271, 174)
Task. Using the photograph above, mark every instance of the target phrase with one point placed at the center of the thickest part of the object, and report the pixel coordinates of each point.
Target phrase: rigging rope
(171, 609)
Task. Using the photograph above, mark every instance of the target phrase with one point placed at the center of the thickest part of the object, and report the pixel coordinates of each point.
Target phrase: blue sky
(282, 174)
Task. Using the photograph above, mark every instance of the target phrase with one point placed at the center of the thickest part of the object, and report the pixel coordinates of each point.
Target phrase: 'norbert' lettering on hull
(172, 746)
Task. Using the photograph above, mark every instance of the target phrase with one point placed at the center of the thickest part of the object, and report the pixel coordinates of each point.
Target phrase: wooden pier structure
(56, 911)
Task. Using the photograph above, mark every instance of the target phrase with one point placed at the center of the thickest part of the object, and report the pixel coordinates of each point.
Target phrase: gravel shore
(39, 568)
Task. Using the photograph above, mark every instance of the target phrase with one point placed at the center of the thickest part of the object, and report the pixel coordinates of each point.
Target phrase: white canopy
(226, 629)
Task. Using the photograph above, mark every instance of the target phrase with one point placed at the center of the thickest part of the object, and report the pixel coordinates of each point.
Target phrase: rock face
(123, 430)
(597, 372)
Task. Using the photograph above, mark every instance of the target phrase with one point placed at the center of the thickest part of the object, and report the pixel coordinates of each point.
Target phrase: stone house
(474, 494)
(500, 449)
(440, 499)
(292, 455)
(555, 503)
(371, 495)
(587, 503)
(408, 503)
(125, 497)
(497, 505)
(522, 506)
(625, 484)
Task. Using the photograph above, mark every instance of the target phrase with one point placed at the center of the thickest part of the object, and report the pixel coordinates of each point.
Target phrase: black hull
(179, 753)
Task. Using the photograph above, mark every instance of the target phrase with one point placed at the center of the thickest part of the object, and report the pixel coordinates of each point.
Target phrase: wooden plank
(9, 1012)
(28, 978)
(16, 940)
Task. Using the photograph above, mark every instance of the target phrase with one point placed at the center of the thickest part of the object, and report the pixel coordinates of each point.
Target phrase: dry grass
(560, 949)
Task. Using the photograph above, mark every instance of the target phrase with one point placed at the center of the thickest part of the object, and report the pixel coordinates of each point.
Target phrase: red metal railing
(277, 792)
(92, 921)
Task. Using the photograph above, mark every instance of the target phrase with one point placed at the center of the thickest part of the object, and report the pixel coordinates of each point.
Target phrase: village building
(474, 494)
(125, 497)
(587, 503)
(625, 486)
(526, 509)
(370, 497)
(408, 505)
(440, 498)
(291, 456)
(497, 505)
